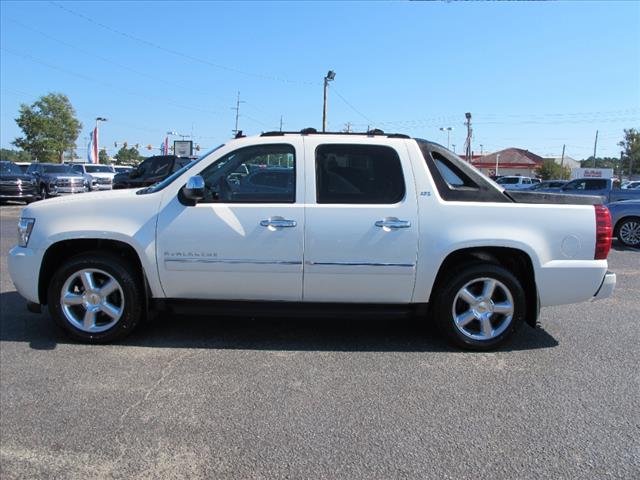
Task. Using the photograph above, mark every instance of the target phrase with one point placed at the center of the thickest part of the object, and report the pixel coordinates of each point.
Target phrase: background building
(510, 161)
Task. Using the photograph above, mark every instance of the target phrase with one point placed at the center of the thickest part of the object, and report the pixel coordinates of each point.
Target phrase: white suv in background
(100, 176)
(516, 182)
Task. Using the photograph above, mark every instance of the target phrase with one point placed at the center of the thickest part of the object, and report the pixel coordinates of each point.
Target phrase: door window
(258, 174)
(361, 174)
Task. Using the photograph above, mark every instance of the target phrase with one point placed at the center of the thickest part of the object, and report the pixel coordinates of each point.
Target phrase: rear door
(361, 234)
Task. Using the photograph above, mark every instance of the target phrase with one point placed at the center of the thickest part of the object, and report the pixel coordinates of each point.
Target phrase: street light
(448, 130)
(454, 147)
(176, 134)
(331, 75)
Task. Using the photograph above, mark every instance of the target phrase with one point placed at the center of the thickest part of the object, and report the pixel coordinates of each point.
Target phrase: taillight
(603, 232)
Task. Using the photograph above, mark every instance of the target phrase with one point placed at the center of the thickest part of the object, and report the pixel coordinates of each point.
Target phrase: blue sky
(534, 75)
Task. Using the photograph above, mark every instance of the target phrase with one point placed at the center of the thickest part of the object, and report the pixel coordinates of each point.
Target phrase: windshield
(161, 185)
(99, 169)
(10, 168)
(508, 180)
(56, 169)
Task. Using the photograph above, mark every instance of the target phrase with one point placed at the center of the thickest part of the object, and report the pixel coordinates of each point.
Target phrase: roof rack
(313, 131)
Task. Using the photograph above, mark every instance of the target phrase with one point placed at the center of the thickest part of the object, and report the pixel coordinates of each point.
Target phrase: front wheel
(479, 307)
(95, 298)
(628, 232)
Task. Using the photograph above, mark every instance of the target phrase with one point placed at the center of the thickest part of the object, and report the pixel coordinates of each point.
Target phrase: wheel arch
(58, 252)
(616, 228)
(515, 260)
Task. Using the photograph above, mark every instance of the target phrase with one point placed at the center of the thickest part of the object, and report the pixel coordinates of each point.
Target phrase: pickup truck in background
(151, 170)
(605, 188)
(322, 224)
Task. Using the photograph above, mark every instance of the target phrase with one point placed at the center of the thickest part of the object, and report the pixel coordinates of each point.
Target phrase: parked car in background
(150, 171)
(24, 166)
(548, 186)
(15, 184)
(55, 179)
(625, 218)
(101, 176)
(515, 182)
(602, 187)
(631, 185)
(122, 168)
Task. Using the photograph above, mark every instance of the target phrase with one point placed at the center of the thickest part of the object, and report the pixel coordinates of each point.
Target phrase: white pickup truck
(315, 224)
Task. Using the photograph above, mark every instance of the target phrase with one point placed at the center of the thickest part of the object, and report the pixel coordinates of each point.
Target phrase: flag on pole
(92, 149)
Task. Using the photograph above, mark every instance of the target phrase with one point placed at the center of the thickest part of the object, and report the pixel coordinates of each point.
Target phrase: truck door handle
(278, 222)
(392, 223)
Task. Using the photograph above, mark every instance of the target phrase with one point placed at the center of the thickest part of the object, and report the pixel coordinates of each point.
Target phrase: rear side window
(358, 174)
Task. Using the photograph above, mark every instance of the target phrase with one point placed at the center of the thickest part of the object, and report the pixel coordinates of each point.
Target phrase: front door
(361, 235)
(245, 239)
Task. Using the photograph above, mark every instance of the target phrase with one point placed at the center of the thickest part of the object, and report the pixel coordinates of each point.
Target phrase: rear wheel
(95, 298)
(479, 307)
(628, 232)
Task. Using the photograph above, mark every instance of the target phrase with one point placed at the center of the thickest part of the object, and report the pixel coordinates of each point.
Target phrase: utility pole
(347, 127)
(454, 147)
(280, 122)
(621, 166)
(562, 164)
(595, 146)
(497, 163)
(237, 109)
(329, 78)
(467, 144)
(481, 151)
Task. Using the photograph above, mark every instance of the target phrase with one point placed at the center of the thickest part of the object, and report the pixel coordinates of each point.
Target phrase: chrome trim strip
(232, 261)
(362, 264)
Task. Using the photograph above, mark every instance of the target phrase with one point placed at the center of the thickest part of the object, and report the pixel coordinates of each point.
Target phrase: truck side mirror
(194, 189)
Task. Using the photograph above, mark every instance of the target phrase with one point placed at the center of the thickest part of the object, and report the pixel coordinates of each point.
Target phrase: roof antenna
(239, 134)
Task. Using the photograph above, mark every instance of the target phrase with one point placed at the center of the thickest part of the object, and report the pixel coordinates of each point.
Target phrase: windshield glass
(56, 169)
(167, 181)
(508, 180)
(99, 169)
(10, 168)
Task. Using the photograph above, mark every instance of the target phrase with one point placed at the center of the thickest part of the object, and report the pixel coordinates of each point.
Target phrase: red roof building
(511, 161)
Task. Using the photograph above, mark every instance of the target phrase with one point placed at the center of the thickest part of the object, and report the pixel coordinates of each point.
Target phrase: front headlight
(25, 226)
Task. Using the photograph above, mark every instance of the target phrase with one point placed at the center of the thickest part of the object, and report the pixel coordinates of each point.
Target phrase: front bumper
(67, 190)
(607, 287)
(24, 269)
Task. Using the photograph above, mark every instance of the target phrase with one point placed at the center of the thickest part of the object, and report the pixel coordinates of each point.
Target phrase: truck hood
(112, 214)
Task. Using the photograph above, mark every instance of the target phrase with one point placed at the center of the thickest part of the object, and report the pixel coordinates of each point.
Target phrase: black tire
(449, 288)
(629, 240)
(130, 294)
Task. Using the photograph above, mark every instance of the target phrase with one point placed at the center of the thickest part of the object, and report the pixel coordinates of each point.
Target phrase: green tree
(14, 155)
(550, 169)
(631, 151)
(601, 162)
(50, 127)
(103, 157)
(128, 156)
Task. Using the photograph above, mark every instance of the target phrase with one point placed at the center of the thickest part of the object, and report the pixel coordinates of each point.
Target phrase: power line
(102, 82)
(351, 106)
(178, 53)
(107, 60)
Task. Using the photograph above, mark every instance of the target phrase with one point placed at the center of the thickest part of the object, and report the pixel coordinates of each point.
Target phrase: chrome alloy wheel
(630, 233)
(483, 309)
(92, 300)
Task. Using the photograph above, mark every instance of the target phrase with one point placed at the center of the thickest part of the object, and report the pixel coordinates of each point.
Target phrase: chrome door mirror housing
(194, 189)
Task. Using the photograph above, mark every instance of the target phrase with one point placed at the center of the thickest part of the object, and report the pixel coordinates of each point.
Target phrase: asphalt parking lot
(298, 398)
